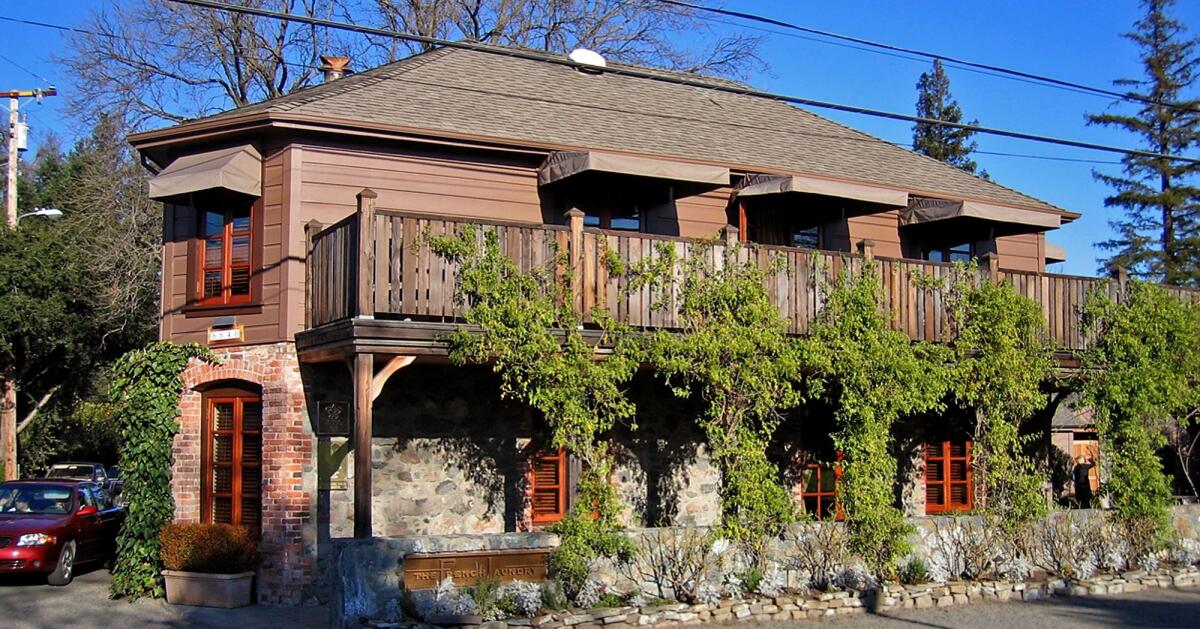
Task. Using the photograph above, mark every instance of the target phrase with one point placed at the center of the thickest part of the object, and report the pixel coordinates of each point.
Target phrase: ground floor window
(232, 459)
(818, 489)
(948, 477)
(548, 487)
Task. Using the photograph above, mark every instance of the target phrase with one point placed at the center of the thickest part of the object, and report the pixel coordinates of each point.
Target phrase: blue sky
(1075, 40)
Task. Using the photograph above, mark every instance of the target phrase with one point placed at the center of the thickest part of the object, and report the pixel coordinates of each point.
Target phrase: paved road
(1152, 608)
(27, 603)
(30, 604)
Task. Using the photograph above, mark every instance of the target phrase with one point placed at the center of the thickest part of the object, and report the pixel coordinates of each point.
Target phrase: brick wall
(288, 546)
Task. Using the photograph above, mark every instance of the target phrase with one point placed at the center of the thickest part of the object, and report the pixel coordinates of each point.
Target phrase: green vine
(875, 376)
(524, 325)
(1001, 362)
(145, 389)
(735, 353)
(1141, 380)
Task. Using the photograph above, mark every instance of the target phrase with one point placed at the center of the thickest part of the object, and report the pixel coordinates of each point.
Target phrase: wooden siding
(260, 321)
(317, 181)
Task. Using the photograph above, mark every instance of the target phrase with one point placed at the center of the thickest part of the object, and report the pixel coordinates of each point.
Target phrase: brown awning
(922, 210)
(237, 168)
(563, 164)
(1055, 253)
(758, 185)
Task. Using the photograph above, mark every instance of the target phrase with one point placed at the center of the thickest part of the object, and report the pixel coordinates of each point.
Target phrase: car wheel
(65, 570)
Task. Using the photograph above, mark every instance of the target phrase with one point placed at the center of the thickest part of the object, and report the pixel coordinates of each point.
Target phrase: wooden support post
(866, 247)
(989, 264)
(363, 377)
(575, 256)
(1121, 276)
(743, 224)
(365, 269)
(732, 237)
(395, 364)
(311, 229)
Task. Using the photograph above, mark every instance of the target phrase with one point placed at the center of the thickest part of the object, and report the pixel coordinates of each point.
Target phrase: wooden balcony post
(866, 247)
(365, 269)
(363, 376)
(575, 256)
(311, 229)
(989, 267)
(1121, 276)
(732, 237)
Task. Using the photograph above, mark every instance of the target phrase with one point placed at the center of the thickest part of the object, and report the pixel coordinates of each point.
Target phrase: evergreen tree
(947, 144)
(1158, 238)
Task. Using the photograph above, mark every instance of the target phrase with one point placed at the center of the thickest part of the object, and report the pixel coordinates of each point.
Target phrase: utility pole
(8, 384)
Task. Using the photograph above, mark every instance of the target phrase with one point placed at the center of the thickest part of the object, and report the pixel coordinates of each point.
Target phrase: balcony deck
(393, 295)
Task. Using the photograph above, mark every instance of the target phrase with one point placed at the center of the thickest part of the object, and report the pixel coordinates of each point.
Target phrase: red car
(51, 526)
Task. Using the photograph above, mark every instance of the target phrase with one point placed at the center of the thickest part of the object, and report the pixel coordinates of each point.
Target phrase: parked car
(94, 472)
(51, 526)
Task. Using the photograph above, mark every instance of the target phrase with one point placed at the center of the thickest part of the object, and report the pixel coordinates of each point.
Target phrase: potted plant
(210, 565)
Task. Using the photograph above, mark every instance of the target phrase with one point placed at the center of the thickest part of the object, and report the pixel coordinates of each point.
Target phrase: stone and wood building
(293, 248)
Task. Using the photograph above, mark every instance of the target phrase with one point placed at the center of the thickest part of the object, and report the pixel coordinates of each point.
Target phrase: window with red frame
(548, 487)
(948, 477)
(818, 490)
(225, 255)
(232, 458)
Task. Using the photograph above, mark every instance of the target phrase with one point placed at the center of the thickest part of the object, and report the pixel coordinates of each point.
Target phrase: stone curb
(827, 604)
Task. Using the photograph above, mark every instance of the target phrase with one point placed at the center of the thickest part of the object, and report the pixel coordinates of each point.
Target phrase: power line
(728, 88)
(21, 67)
(931, 55)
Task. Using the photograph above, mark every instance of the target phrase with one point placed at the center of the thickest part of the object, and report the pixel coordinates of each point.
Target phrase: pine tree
(1158, 238)
(948, 144)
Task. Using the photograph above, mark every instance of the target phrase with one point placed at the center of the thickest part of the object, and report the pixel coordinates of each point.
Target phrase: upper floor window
(948, 477)
(620, 219)
(225, 254)
(807, 237)
(961, 252)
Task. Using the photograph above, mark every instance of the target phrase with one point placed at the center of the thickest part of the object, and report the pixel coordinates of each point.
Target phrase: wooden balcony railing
(402, 278)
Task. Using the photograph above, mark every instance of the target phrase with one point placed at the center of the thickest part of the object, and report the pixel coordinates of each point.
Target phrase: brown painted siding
(882, 228)
(1026, 252)
(259, 327)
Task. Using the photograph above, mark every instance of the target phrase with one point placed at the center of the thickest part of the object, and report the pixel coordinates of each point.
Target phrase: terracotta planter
(208, 590)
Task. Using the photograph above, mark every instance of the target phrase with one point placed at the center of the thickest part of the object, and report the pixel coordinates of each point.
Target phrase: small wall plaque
(333, 419)
(426, 570)
(225, 335)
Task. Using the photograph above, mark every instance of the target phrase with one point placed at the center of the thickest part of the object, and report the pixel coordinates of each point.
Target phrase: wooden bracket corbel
(381, 377)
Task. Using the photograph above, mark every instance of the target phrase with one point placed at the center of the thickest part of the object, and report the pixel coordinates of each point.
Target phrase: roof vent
(589, 58)
(334, 67)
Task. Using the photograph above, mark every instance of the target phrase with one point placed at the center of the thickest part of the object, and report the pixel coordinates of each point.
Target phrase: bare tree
(644, 32)
(154, 61)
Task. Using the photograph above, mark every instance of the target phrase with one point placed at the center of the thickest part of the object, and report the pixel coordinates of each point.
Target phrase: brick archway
(288, 564)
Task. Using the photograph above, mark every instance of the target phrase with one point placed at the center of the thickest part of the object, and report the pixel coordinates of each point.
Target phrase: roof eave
(210, 128)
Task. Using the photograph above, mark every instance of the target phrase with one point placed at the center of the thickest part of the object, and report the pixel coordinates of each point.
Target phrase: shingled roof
(525, 101)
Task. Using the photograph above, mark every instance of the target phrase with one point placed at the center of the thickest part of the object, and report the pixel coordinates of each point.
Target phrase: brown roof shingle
(523, 100)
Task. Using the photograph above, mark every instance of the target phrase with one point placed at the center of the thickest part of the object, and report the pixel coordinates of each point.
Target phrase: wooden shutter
(948, 478)
(232, 465)
(548, 487)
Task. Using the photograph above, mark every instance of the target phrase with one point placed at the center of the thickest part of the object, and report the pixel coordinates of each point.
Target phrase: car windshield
(70, 471)
(34, 499)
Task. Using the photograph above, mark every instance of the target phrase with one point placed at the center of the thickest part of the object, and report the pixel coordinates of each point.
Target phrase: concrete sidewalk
(30, 603)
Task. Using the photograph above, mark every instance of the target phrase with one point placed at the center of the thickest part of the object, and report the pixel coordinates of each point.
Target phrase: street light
(44, 212)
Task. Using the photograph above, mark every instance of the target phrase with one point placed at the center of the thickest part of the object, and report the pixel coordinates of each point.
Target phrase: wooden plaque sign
(426, 570)
(333, 419)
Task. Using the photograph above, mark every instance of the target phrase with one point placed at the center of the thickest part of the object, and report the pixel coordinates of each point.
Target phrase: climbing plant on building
(734, 352)
(1139, 376)
(875, 376)
(1001, 360)
(524, 325)
(145, 390)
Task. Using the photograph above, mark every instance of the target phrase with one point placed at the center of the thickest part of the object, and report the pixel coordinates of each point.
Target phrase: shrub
(818, 550)
(914, 571)
(208, 548)
(678, 563)
(486, 593)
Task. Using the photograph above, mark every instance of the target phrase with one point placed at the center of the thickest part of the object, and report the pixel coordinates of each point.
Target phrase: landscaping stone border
(827, 604)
